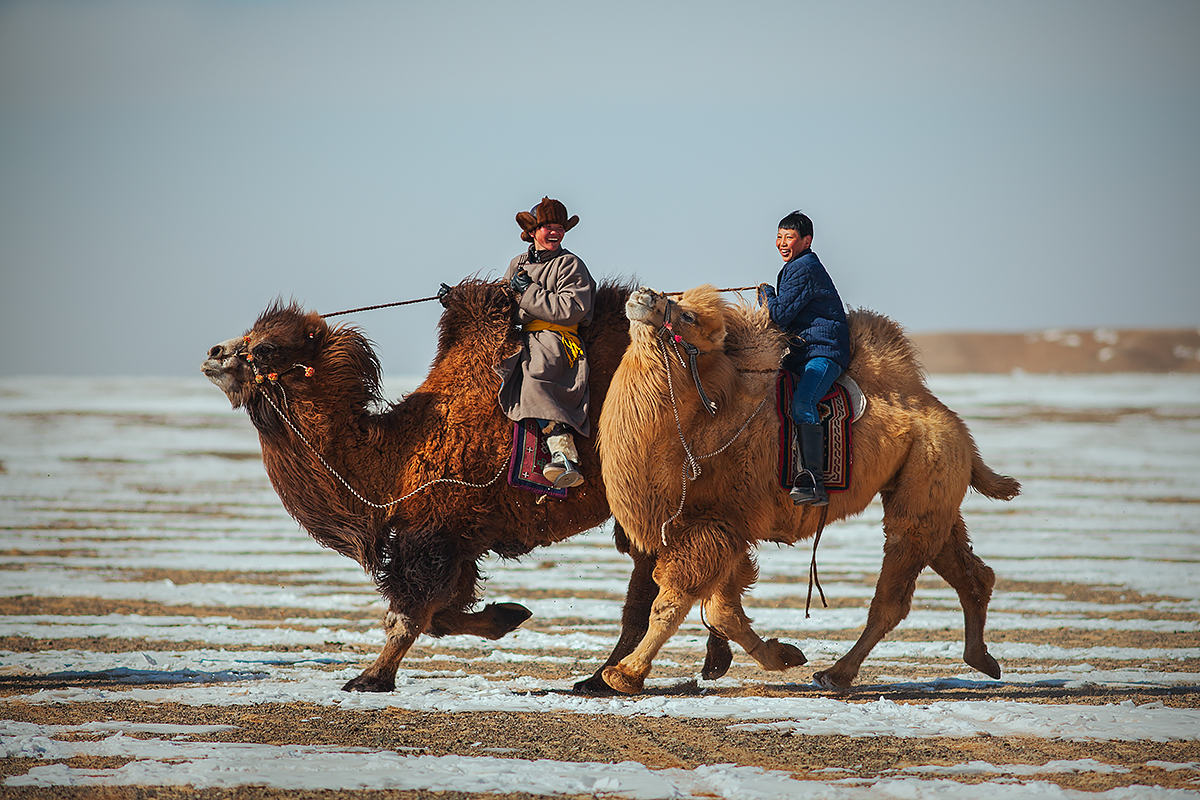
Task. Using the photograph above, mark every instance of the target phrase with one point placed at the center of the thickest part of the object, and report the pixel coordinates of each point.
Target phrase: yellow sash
(568, 333)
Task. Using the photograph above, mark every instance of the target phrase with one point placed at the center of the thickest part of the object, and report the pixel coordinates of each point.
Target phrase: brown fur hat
(544, 213)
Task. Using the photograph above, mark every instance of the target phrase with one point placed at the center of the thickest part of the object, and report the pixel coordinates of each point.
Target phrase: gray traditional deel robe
(539, 382)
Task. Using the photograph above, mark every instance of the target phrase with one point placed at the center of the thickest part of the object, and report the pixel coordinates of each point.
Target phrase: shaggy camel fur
(908, 448)
(423, 550)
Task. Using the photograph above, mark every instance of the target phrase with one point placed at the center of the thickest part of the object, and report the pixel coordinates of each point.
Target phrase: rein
(435, 297)
(382, 305)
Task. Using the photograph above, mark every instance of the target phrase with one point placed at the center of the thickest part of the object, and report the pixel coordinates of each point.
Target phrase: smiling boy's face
(791, 243)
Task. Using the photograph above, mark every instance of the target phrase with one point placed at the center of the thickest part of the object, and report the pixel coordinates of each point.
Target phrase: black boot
(808, 487)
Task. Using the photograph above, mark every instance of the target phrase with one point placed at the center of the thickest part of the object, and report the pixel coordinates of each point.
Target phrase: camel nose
(216, 351)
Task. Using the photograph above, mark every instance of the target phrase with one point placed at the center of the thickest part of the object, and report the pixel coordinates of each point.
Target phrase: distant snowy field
(108, 488)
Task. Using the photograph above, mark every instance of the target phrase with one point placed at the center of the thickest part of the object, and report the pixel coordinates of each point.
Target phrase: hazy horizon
(170, 168)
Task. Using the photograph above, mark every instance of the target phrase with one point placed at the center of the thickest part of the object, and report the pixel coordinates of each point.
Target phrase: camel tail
(990, 483)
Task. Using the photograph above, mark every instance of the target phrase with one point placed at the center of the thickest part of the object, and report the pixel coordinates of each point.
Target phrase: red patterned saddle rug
(529, 455)
(836, 416)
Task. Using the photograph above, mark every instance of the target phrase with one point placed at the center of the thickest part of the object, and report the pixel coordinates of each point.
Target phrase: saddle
(838, 409)
(529, 455)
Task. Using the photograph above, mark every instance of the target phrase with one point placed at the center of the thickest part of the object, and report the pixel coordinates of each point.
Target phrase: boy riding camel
(807, 306)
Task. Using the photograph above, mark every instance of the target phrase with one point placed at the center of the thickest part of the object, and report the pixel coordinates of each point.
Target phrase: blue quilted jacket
(809, 308)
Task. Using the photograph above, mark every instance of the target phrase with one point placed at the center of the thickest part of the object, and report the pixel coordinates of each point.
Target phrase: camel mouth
(645, 306)
(221, 365)
(218, 373)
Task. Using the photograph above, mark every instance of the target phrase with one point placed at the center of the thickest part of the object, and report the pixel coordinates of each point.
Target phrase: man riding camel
(548, 379)
(556, 295)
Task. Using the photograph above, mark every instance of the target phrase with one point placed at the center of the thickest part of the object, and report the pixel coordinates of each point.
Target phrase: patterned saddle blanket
(529, 455)
(837, 412)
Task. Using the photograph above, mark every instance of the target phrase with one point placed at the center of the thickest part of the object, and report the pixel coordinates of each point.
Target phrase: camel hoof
(985, 664)
(508, 616)
(792, 656)
(369, 683)
(594, 687)
(775, 656)
(624, 683)
(717, 658)
(825, 681)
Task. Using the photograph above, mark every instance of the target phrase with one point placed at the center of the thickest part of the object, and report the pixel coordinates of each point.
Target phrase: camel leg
(401, 632)
(906, 551)
(493, 622)
(973, 581)
(683, 574)
(726, 614)
(635, 619)
(670, 607)
(421, 573)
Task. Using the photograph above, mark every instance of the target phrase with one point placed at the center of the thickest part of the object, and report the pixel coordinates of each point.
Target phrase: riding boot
(563, 469)
(808, 487)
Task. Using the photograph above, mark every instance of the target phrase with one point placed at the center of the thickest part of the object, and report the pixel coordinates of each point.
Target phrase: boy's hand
(441, 294)
(765, 292)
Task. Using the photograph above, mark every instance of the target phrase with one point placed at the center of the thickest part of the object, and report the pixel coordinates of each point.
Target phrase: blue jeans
(811, 385)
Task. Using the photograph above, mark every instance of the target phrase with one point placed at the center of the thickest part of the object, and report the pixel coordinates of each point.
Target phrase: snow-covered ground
(108, 485)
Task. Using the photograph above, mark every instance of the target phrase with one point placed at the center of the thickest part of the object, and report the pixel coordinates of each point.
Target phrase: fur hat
(544, 213)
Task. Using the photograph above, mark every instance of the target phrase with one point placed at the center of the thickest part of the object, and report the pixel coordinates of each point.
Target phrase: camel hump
(990, 483)
(881, 352)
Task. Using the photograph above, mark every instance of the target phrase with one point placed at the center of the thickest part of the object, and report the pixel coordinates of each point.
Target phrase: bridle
(272, 379)
(668, 331)
(691, 461)
(691, 465)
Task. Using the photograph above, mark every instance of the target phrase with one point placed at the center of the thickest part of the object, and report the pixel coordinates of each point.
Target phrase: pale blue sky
(168, 168)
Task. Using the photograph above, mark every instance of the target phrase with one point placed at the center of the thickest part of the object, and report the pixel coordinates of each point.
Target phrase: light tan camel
(908, 448)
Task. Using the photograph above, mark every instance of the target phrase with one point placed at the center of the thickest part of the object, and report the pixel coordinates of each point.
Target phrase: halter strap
(693, 352)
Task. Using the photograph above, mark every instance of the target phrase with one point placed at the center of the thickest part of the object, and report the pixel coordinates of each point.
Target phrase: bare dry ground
(72, 518)
(654, 741)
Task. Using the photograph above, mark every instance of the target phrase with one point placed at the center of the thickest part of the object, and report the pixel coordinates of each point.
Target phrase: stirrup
(806, 491)
(562, 472)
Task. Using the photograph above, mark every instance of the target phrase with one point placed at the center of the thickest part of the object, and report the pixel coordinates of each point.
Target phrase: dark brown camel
(312, 392)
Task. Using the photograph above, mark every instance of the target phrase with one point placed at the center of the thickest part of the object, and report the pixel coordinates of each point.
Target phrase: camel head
(291, 348)
(698, 317)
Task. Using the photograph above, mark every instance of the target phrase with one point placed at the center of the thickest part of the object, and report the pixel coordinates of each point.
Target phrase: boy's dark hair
(798, 222)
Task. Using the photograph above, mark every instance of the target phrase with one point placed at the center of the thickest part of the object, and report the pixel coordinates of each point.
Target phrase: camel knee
(396, 626)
